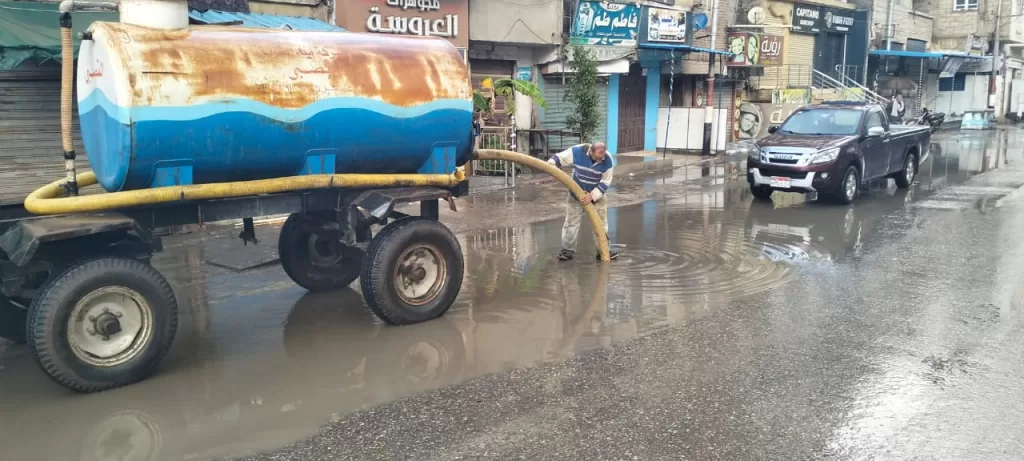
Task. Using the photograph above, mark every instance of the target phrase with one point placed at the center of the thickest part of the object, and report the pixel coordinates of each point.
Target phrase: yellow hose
(67, 76)
(48, 200)
(540, 165)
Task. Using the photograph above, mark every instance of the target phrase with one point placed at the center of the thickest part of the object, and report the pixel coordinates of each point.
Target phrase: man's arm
(602, 185)
(562, 159)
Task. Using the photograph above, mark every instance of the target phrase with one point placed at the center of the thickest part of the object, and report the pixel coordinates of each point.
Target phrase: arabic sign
(437, 18)
(812, 19)
(662, 25)
(754, 49)
(524, 73)
(792, 96)
(753, 119)
(773, 49)
(603, 23)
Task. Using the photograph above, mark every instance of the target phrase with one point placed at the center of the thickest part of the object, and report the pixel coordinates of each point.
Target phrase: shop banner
(664, 26)
(604, 23)
(812, 19)
(753, 119)
(754, 49)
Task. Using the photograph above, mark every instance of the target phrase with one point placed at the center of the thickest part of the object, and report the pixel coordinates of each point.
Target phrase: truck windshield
(822, 122)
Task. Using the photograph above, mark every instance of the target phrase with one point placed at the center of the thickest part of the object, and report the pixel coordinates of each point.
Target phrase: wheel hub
(420, 274)
(110, 326)
(324, 251)
(107, 324)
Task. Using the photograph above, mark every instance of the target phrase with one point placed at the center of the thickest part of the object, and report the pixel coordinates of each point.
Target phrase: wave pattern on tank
(125, 115)
(256, 141)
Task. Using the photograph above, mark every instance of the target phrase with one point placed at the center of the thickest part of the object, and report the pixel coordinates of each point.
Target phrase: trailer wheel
(313, 261)
(413, 271)
(102, 324)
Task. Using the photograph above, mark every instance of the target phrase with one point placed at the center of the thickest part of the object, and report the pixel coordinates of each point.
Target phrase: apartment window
(965, 5)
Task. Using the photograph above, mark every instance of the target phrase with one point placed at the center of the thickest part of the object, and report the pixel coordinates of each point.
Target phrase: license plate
(780, 182)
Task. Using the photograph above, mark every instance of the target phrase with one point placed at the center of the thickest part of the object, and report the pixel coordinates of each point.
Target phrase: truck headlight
(825, 156)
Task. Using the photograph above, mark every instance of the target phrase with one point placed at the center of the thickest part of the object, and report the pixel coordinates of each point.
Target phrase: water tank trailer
(190, 124)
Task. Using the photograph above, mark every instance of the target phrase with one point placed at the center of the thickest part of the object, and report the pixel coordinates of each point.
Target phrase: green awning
(30, 31)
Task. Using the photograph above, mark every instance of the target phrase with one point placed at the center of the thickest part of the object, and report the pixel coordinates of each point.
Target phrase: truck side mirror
(772, 129)
(876, 132)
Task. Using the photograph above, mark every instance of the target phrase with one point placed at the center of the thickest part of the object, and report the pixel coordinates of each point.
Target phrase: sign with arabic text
(791, 96)
(752, 49)
(812, 19)
(426, 18)
(664, 25)
(604, 23)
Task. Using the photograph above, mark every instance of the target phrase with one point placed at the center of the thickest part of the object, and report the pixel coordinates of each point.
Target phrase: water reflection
(260, 364)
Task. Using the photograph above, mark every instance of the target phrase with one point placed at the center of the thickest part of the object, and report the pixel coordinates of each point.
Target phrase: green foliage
(581, 93)
(508, 88)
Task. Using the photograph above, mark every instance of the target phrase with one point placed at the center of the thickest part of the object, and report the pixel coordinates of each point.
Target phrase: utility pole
(997, 54)
(888, 28)
(709, 105)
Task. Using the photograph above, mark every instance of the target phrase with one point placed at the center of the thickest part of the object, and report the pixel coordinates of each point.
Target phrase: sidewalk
(628, 163)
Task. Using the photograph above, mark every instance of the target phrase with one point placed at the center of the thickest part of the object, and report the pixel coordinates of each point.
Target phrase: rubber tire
(840, 195)
(293, 250)
(761, 192)
(13, 321)
(48, 317)
(377, 283)
(901, 177)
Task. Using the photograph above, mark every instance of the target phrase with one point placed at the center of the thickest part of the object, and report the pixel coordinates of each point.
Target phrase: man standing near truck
(592, 171)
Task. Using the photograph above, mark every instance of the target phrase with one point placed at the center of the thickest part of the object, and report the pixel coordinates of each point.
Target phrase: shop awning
(681, 47)
(922, 54)
(261, 21)
(30, 31)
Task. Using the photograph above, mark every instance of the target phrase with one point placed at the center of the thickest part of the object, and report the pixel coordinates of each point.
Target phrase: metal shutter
(30, 147)
(800, 48)
(558, 108)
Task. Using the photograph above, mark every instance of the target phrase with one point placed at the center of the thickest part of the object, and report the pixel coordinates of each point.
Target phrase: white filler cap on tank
(155, 14)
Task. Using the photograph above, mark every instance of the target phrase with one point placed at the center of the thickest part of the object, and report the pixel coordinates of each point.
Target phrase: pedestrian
(896, 110)
(592, 171)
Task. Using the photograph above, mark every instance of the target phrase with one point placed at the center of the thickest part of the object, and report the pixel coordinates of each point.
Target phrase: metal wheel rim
(144, 439)
(909, 174)
(848, 222)
(851, 185)
(92, 342)
(434, 358)
(418, 288)
(318, 258)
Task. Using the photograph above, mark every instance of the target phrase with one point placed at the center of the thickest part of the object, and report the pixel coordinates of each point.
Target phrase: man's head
(597, 151)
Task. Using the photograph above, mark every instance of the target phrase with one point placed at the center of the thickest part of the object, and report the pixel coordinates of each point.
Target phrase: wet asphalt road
(728, 329)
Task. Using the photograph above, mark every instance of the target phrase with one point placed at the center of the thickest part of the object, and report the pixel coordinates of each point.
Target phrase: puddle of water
(259, 363)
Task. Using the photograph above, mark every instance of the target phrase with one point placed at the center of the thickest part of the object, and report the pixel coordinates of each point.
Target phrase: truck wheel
(102, 324)
(413, 271)
(849, 188)
(12, 321)
(906, 177)
(313, 260)
(761, 192)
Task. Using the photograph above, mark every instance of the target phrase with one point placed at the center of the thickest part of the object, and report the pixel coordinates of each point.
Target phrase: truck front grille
(783, 173)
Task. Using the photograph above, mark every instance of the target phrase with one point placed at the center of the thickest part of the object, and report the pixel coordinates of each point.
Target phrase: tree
(582, 93)
(507, 88)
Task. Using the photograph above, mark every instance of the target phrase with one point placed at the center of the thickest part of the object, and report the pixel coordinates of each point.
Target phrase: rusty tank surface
(212, 104)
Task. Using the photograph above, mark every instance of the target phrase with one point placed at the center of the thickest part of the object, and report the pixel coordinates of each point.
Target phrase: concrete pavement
(728, 329)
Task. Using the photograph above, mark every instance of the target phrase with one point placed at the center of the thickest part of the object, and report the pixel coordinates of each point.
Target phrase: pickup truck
(833, 149)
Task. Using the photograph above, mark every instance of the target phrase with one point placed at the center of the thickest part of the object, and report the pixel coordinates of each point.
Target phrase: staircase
(827, 88)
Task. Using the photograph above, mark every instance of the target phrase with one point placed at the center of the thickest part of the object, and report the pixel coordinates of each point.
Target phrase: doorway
(632, 108)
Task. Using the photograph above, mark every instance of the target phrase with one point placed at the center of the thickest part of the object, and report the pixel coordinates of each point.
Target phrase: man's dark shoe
(611, 256)
(566, 255)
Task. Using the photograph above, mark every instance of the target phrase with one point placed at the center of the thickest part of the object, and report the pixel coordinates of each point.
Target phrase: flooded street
(728, 329)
